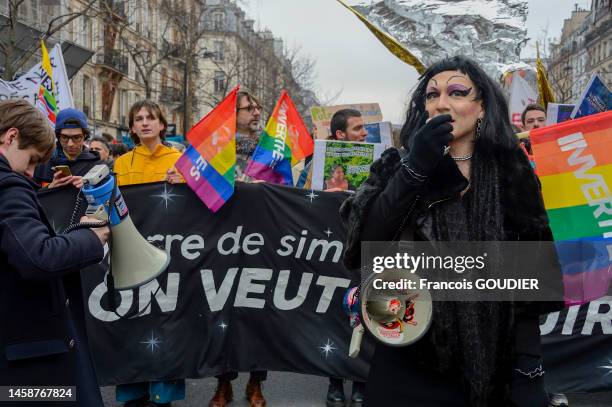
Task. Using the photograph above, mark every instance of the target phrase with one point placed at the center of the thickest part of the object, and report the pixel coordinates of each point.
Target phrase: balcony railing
(114, 59)
(598, 32)
(173, 50)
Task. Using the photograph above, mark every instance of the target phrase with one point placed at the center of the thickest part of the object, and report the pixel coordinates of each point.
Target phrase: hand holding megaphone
(106, 202)
(102, 232)
(394, 317)
(350, 304)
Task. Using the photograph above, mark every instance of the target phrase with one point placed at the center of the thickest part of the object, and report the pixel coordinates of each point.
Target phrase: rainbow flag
(284, 142)
(46, 100)
(574, 162)
(208, 163)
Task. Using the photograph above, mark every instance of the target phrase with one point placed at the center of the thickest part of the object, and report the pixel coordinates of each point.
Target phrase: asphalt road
(296, 390)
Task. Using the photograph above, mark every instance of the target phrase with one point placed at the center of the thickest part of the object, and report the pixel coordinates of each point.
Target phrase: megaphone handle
(356, 339)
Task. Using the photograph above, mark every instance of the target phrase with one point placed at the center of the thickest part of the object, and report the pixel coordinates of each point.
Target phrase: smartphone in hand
(64, 169)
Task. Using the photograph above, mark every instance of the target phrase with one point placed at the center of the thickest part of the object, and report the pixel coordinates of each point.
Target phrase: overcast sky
(351, 59)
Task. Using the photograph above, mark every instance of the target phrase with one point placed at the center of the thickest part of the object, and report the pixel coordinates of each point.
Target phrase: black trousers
(257, 375)
(395, 378)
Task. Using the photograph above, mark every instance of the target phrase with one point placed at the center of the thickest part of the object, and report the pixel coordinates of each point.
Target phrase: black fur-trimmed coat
(392, 206)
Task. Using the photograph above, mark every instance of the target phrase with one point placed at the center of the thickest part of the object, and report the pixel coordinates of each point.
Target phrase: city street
(295, 390)
(276, 157)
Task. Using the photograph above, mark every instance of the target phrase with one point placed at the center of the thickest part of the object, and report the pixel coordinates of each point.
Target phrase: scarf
(473, 340)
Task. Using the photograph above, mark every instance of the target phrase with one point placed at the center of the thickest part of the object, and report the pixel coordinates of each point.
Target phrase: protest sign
(28, 84)
(558, 112)
(379, 133)
(521, 95)
(321, 116)
(596, 98)
(342, 164)
(256, 286)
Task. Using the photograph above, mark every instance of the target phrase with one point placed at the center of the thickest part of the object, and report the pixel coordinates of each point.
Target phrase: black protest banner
(577, 346)
(259, 285)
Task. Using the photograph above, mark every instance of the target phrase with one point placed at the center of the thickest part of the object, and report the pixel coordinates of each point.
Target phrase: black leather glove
(427, 147)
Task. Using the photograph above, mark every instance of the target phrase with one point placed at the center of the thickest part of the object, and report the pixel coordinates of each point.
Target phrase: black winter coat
(42, 338)
(79, 166)
(390, 206)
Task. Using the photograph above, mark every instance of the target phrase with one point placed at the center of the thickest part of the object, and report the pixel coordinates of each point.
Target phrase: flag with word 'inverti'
(46, 99)
(574, 163)
(208, 163)
(284, 142)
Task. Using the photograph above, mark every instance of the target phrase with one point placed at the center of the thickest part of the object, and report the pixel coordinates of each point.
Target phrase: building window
(123, 107)
(164, 77)
(77, 91)
(87, 96)
(28, 11)
(148, 21)
(219, 51)
(219, 82)
(86, 32)
(218, 21)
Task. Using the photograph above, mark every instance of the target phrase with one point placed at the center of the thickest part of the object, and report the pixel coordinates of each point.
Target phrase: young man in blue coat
(42, 332)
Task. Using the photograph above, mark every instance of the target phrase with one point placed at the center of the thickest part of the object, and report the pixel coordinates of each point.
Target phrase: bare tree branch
(53, 26)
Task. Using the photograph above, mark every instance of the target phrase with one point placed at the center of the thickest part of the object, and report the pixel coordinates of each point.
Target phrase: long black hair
(498, 170)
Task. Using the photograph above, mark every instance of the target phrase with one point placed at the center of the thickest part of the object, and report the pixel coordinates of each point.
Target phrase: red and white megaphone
(389, 311)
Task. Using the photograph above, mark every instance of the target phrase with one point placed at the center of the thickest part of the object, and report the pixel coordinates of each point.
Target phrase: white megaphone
(134, 261)
(397, 316)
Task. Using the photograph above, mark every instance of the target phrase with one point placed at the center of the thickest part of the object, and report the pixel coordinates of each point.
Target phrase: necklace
(462, 158)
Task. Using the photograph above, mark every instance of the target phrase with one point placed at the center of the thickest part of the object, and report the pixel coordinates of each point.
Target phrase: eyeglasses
(251, 108)
(75, 139)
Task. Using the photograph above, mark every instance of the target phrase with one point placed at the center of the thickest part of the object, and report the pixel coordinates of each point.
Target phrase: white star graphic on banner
(167, 195)
(327, 348)
(152, 342)
(311, 195)
(608, 368)
(223, 325)
(328, 232)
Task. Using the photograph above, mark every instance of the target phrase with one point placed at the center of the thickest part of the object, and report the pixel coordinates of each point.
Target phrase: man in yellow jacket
(150, 161)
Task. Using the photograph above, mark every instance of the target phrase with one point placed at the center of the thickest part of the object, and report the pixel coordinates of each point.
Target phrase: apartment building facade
(180, 53)
(584, 48)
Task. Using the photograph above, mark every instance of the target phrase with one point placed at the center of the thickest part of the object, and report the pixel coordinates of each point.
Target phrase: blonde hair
(34, 128)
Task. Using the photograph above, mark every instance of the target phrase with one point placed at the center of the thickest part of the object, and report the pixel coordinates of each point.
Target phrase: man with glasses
(71, 130)
(248, 117)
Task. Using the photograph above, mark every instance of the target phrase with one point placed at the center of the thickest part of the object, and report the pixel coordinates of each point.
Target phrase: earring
(478, 127)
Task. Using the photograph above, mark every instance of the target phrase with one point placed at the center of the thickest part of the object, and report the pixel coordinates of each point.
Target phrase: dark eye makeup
(431, 92)
(459, 90)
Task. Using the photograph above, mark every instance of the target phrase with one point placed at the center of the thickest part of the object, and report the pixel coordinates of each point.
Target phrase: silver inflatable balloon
(491, 32)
